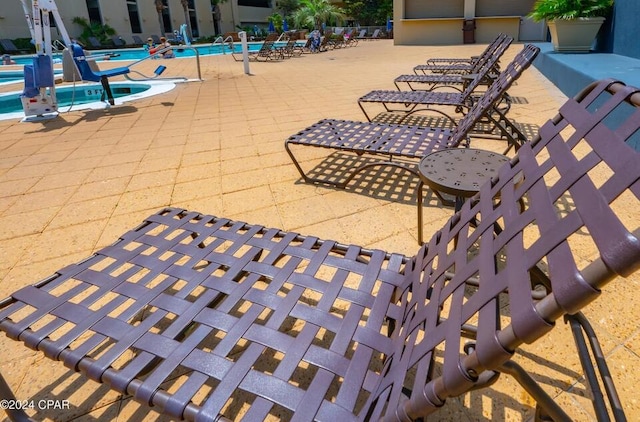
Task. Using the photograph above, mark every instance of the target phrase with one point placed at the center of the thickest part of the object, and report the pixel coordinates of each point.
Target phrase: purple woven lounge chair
(455, 73)
(412, 101)
(465, 66)
(200, 316)
(469, 60)
(410, 142)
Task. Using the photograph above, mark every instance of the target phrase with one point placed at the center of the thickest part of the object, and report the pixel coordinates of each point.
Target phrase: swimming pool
(140, 53)
(86, 96)
(10, 76)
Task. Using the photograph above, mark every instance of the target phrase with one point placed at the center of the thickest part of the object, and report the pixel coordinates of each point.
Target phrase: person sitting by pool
(315, 41)
(177, 36)
(6, 60)
(165, 44)
(149, 45)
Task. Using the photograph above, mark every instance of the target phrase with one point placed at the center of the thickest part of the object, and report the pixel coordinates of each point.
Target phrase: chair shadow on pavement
(96, 405)
(69, 119)
(387, 183)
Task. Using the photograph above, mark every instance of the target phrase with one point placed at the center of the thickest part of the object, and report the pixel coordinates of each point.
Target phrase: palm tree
(313, 13)
(185, 8)
(287, 7)
(159, 9)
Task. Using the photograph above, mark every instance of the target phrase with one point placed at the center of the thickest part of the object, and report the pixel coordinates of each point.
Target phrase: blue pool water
(10, 103)
(140, 53)
(15, 75)
(86, 96)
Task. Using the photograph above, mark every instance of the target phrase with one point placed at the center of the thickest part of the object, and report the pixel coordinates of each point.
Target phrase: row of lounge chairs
(397, 140)
(453, 72)
(190, 312)
(480, 72)
(273, 48)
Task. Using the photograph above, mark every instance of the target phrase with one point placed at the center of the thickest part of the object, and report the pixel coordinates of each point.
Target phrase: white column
(245, 51)
(469, 9)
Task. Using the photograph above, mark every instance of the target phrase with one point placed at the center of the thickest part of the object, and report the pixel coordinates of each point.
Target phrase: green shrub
(569, 9)
(93, 29)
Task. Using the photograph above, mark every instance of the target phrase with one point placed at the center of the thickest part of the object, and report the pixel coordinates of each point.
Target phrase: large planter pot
(575, 35)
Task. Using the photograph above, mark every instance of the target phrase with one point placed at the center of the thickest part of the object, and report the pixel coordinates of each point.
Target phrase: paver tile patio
(73, 184)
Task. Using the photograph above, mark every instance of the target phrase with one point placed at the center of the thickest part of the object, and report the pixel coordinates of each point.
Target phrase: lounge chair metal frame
(351, 39)
(9, 47)
(200, 316)
(470, 60)
(465, 65)
(413, 101)
(268, 51)
(442, 79)
(95, 42)
(118, 41)
(374, 36)
(397, 141)
(137, 41)
(291, 48)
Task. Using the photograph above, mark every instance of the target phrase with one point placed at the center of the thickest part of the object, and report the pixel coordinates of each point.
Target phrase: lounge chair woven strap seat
(191, 302)
(413, 97)
(439, 79)
(374, 138)
(491, 55)
(201, 316)
(499, 40)
(455, 68)
(430, 82)
(413, 101)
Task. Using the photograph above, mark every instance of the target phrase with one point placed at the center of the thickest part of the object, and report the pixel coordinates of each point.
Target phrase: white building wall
(115, 14)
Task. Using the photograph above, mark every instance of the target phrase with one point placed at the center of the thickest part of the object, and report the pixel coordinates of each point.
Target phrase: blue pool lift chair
(102, 76)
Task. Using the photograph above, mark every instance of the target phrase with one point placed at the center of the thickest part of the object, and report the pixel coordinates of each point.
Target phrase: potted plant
(573, 24)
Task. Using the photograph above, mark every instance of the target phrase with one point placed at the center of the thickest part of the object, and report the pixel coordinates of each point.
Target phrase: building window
(93, 8)
(193, 19)
(254, 3)
(166, 17)
(52, 21)
(134, 16)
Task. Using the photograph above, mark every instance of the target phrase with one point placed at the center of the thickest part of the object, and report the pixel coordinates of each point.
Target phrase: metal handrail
(222, 42)
(58, 45)
(218, 39)
(161, 51)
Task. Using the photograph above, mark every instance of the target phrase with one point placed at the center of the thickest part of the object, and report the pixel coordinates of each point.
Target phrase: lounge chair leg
(306, 178)
(14, 414)
(419, 205)
(543, 400)
(580, 328)
(364, 111)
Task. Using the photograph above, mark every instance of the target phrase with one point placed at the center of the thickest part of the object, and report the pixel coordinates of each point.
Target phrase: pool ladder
(222, 42)
(58, 45)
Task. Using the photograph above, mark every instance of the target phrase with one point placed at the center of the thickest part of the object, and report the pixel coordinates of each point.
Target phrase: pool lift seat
(102, 76)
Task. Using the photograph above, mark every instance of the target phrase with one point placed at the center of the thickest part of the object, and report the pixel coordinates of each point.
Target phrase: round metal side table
(459, 172)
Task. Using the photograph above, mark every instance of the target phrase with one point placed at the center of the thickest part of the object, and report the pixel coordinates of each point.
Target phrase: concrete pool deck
(73, 184)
